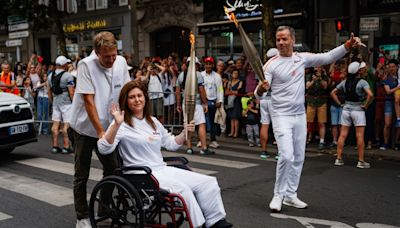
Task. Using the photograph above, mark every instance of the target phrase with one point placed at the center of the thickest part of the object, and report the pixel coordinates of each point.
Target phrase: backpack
(350, 93)
(55, 83)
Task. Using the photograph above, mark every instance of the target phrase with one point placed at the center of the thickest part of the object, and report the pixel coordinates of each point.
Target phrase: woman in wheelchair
(139, 138)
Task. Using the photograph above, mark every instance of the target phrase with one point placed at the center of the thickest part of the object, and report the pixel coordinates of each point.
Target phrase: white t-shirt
(213, 86)
(105, 84)
(155, 87)
(140, 145)
(286, 77)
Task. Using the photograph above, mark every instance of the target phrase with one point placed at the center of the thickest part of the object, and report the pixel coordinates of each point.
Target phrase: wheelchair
(132, 197)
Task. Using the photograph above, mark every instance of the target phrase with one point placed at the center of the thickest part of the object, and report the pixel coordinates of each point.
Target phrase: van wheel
(7, 150)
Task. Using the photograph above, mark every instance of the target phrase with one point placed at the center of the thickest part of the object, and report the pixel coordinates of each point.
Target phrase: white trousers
(201, 193)
(290, 134)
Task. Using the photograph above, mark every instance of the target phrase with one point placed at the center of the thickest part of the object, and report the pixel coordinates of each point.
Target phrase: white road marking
(46, 192)
(4, 216)
(59, 167)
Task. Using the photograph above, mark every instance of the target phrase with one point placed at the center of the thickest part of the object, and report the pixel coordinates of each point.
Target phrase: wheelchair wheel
(114, 202)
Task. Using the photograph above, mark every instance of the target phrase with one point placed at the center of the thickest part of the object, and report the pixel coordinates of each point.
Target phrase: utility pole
(134, 33)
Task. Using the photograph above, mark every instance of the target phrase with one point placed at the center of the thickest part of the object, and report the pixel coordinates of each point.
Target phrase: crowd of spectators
(240, 108)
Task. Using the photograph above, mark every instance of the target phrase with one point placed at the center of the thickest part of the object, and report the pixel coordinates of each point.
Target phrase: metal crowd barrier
(172, 119)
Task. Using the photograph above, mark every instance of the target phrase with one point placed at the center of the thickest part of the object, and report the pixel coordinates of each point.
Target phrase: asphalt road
(36, 189)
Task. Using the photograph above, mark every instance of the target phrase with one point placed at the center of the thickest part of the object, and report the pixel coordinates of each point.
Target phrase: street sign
(15, 19)
(16, 27)
(13, 43)
(21, 34)
(369, 24)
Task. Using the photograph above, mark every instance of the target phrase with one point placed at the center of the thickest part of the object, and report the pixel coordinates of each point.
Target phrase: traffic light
(341, 25)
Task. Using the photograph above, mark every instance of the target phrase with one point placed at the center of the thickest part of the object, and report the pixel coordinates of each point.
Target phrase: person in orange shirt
(7, 80)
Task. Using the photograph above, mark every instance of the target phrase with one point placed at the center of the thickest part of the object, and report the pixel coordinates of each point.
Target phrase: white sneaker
(276, 204)
(214, 144)
(83, 223)
(198, 144)
(363, 165)
(294, 202)
(339, 162)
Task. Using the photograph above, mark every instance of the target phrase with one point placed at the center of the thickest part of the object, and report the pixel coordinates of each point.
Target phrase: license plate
(19, 129)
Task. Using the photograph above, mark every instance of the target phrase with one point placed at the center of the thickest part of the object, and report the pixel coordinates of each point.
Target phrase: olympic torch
(191, 85)
(248, 47)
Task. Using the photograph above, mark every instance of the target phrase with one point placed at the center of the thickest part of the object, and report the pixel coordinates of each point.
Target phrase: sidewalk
(242, 144)
(351, 151)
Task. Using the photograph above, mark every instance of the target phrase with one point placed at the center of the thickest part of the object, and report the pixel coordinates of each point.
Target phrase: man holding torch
(284, 74)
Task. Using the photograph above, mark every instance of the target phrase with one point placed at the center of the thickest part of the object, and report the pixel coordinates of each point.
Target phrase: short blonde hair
(104, 39)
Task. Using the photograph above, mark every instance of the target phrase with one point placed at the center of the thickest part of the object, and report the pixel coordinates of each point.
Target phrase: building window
(90, 5)
(72, 6)
(101, 4)
(123, 2)
(60, 5)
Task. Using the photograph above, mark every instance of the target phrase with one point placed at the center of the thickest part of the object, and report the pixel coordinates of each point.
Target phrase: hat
(209, 60)
(353, 67)
(40, 59)
(272, 52)
(62, 60)
(197, 60)
(362, 65)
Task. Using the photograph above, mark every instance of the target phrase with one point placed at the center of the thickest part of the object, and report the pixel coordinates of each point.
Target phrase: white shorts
(61, 113)
(355, 117)
(199, 116)
(265, 107)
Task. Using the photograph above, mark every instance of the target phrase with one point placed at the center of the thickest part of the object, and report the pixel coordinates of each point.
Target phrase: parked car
(16, 122)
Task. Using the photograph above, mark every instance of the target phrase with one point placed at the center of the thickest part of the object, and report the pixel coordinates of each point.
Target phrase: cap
(272, 52)
(362, 65)
(62, 60)
(209, 60)
(40, 59)
(353, 67)
(197, 60)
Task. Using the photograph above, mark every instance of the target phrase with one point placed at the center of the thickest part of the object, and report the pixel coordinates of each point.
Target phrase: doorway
(171, 39)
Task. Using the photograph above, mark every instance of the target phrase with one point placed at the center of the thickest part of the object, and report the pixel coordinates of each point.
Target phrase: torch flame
(231, 16)
(191, 38)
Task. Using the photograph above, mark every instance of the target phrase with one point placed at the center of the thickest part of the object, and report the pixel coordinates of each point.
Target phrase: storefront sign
(243, 8)
(214, 10)
(85, 25)
(369, 24)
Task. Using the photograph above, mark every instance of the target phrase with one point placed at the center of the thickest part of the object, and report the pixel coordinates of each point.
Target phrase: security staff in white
(284, 73)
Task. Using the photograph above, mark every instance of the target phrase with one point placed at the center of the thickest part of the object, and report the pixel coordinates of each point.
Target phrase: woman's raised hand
(117, 114)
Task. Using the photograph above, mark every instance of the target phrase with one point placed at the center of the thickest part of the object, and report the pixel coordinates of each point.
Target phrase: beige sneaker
(214, 144)
(198, 144)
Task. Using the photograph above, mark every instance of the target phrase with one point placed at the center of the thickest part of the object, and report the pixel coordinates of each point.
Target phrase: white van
(16, 122)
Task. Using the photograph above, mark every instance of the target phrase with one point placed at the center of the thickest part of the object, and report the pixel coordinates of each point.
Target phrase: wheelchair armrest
(146, 169)
(181, 160)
